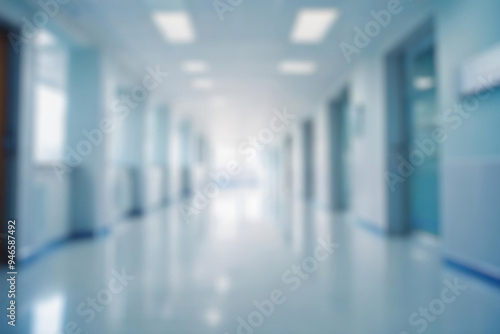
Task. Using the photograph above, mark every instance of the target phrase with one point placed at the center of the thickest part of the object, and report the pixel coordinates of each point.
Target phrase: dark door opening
(339, 140)
(308, 160)
(8, 134)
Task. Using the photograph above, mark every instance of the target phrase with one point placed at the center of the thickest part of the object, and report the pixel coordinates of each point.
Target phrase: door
(3, 138)
(308, 150)
(339, 144)
(422, 120)
(9, 68)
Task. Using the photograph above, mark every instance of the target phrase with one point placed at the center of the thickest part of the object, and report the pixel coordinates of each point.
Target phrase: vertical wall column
(87, 127)
(287, 164)
(135, 142)
(202, 162)
(161, 151)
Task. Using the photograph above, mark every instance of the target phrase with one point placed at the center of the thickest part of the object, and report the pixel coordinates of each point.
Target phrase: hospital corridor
(250, 167)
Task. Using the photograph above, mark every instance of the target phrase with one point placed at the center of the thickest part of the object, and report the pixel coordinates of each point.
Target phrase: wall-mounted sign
(480, 73)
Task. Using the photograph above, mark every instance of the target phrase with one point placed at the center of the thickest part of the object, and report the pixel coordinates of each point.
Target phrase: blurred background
(237, 166)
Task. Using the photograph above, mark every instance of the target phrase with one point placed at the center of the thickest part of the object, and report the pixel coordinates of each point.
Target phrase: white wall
(298, 159)
(322, 161)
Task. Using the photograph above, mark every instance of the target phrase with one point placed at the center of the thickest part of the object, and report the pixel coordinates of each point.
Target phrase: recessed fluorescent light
(176, 27)
(312, 24)
(218, 101)
(203, 84)
(297, 67)
(423, 83)
(194, 66)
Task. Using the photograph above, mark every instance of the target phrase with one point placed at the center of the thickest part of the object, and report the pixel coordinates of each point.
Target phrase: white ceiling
(243, 52)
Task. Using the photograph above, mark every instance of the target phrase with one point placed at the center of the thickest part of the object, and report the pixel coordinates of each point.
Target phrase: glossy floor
(248, 265)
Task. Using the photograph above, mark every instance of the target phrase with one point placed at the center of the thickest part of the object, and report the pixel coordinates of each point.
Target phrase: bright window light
(45, 38)
(203, 84)
(194, 66)
(176, 27)
(312, 24)
(50, 118)
(297, 67)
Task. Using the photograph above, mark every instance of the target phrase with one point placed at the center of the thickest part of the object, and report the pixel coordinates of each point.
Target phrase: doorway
(339, 146)
(413, 118)
(421, 107)
(9, 66)
(308, 149)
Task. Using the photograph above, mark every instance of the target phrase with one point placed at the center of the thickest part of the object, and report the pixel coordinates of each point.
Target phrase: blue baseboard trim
(45, 250)
(58, 243)
(371, 227)
(135, 213)
(472, 271)
(101, 232)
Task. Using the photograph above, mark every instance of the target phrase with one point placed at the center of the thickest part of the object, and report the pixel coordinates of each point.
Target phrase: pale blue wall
(85, 111)
(471, 155)
(44, 200)
(470, 186)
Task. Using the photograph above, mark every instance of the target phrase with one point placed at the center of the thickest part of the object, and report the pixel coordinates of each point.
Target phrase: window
(50, 117)
(50, 99)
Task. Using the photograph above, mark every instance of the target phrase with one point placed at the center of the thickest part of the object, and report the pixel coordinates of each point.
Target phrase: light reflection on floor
(207, 277)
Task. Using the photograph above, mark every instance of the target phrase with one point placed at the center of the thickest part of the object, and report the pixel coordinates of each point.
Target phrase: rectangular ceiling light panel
(312, 24)
(176, 27)
(297, 67)
(202, 84)
(194, 66)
